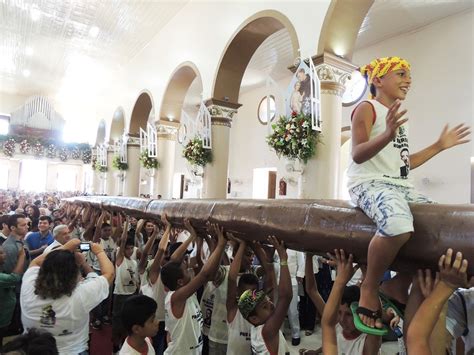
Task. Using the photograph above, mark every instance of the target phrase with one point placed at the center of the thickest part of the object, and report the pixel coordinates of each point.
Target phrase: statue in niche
(282, 187)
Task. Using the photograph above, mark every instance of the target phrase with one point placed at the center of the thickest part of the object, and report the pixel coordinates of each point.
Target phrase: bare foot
(369, 298)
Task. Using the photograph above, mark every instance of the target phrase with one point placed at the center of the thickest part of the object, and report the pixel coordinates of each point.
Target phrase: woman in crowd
(54, 296)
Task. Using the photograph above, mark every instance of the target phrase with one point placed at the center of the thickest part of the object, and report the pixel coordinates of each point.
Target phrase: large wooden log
(313, 225)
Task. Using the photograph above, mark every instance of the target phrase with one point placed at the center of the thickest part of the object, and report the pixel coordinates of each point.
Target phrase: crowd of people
(68, 269)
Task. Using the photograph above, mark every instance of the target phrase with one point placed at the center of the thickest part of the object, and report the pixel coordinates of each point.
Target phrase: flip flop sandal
(356, 310)
(398, 307)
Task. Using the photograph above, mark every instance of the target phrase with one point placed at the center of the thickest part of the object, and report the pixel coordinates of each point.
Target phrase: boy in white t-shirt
(183, 316)
(138, 319)
(126, 284)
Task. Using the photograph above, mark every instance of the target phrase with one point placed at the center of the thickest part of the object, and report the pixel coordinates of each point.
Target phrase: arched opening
(179, 109)
(341, 27)
(117, 126)
(243, 46)
(185, 77)
(100, 137)
(140, 114)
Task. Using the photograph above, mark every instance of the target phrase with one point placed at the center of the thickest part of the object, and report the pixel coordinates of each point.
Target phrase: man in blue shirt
(38, 241)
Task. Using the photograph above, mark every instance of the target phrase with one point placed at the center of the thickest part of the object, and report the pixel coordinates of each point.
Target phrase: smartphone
(85, 246)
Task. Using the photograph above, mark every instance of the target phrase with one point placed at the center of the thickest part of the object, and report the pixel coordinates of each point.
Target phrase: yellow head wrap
(381, 66)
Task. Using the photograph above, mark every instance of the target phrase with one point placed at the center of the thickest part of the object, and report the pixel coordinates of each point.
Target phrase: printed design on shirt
(246, 335)
(131, 281)
(48, 316)
(209, 305)
(109, 251)
(65, 332)
(401, 142)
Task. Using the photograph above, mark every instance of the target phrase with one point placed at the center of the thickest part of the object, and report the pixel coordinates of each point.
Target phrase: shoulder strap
(463, 302)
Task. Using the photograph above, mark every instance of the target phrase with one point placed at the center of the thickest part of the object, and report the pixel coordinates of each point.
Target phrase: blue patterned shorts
(387, 205)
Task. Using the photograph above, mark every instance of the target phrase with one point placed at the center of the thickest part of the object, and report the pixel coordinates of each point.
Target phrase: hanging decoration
(147, 161)
(99, 168)
(293, 137)
(75, 154)
(46, 147)
(9, 147)
(38, 150)
(24, 146)
(51, 151)
(196, 154)
(62, 154)
(117, 164)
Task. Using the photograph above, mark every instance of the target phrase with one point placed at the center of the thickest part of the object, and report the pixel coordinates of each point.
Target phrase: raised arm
(231, 303)
(266, 261)
(156, 265)
(345, 270)
(208, 271)
(271, 329)
(179, 253)
(448, 138)
(73, 222)
(123, 242)
(452, 275)
(310, 284)
(118, 230)
(98, 227)
(146, 250)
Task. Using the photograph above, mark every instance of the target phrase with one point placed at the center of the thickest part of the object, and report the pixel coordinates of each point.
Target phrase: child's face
(263, 311)
(106, 232)
(128, 251)
(346, 319)
(297, 85)
(396, 84)
(149, 227)
(149, 329)
(186, 275)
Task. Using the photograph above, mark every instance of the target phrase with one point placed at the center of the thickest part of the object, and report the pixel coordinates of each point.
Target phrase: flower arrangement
(9, 147)
(62, 154)
(87, 156)
(75, 154)
(293, 137)
(195, 154)
(148, 162)
(118, 165)
(46, 147)
(38, 150)
(24, 146)
(51, 151)
(99, 168)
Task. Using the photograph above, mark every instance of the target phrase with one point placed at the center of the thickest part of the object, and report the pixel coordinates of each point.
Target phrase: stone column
(110, 180)
(131, 183)
(320, 178)
(163, 180)
(215, 173)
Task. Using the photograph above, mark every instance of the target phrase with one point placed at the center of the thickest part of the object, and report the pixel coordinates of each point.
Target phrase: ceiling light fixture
(26, 73)
(35, 13)
(94, 31)
(170, 117)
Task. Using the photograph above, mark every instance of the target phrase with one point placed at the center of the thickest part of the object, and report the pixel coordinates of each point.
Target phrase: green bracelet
(284, 263)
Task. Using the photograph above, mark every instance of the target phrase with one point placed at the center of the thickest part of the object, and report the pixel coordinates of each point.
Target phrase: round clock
(355, 89)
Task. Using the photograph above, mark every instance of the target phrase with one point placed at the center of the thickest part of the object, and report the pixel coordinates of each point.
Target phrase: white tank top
(185, 332)
(258, 344)
(349, 347)
(126, 277)
(239, 336)
(214, 309)
(391, 164)
(155, 291)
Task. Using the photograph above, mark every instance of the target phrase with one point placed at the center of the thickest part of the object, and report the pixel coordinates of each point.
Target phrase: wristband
(284, 263)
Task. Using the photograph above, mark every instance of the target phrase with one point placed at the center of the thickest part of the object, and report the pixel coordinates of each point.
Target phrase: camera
(85, 246)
